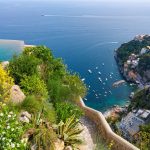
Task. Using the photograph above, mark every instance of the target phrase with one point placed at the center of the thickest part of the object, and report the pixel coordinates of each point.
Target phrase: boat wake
(76, 16)
(102, 43)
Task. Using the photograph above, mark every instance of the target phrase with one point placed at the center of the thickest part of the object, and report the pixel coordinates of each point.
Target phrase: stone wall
(103, 127)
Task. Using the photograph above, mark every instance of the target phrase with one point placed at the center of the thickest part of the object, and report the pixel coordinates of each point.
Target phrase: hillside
(141, 99)
(133, 59)
(37, 109)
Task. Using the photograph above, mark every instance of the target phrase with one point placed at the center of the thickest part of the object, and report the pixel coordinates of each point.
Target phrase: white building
(129, 125)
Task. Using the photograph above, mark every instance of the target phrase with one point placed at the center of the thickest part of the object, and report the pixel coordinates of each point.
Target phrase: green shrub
(76, 86)
(34, 106)
(144, 137)
(41, 52)
(23, 65)
(49, 112)
(67, 88)
(33, 85)
(57, 91)
(11, 130)
(64, 110)
(31, 104)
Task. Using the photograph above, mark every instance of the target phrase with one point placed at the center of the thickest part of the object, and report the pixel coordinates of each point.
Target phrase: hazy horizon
(81, 7)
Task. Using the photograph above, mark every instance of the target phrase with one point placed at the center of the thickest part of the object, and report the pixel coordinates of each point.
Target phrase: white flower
(1, 114)
(9, 116)
(8, 127)
(12, 129)
(12, 145)
(18, 145)
(3, 132)
(3, 138)
(11, 113)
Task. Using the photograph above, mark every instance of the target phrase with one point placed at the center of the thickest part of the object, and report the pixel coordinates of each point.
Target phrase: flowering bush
(11, 130)
(6, 83)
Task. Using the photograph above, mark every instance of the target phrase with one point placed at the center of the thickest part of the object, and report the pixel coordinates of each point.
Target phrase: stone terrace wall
(104, 128)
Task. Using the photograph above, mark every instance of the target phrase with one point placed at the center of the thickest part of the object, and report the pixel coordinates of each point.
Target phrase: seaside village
(129, 126)
(131, 64)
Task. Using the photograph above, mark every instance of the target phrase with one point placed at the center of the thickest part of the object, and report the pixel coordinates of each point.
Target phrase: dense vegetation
(144, 63)
(134, 46)
(144, 137)
(50, 91)
(141, 99)
(6, 83)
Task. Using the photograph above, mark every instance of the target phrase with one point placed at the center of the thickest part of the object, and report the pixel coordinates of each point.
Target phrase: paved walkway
(92, 139)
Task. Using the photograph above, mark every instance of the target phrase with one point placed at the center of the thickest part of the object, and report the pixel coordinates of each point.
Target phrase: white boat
(90, 71)
(85, 99)
(106, 79)
(83, 79)
(103, 64)
(99, 73)
(99, 79)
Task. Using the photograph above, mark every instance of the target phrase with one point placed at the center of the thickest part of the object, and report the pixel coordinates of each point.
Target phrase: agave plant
(41, 136)
(69, 131)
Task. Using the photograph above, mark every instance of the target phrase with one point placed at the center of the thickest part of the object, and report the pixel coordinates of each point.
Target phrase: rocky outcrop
(16, 95)
(25, 117)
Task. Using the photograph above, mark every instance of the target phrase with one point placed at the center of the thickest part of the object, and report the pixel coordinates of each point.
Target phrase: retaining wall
(103, 127)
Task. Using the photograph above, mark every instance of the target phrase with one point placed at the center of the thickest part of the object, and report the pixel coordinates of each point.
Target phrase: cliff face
(133, 59)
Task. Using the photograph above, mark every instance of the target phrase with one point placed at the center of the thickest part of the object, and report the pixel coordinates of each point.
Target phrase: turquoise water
(10, 47)
(84, 35)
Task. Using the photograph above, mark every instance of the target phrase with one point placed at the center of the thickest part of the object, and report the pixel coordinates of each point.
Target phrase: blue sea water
(8, 48)
(83, 34)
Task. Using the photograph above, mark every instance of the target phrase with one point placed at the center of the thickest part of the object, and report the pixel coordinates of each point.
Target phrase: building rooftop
(131, 123)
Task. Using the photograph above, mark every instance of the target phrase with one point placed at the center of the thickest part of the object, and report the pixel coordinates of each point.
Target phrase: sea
(84, 34)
